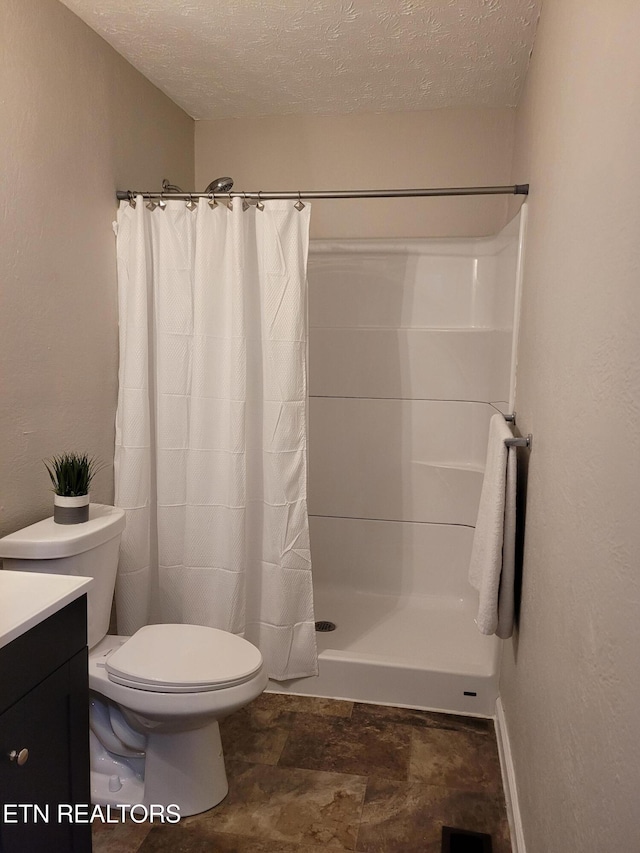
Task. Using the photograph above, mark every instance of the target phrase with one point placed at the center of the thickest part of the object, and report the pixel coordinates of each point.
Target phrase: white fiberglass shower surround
(412, 350)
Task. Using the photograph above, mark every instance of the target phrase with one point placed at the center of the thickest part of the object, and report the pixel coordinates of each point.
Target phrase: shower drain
(323, 627)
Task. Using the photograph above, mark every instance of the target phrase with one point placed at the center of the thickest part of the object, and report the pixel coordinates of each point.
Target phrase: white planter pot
(70, 510)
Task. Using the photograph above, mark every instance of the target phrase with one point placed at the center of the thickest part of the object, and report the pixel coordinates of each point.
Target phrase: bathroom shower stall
(412, 350)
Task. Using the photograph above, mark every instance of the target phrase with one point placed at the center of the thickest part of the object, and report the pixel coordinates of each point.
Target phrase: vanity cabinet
(44, 735)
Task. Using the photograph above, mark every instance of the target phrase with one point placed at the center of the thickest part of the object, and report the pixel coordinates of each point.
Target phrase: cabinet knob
(20, 756)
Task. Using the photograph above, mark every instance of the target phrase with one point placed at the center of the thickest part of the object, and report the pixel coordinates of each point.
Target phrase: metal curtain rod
(516, 189)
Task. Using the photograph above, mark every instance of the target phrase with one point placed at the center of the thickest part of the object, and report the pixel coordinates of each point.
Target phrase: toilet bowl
(157, 696)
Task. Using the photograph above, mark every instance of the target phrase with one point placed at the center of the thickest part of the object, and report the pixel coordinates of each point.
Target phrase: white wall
(77, 123)
(405, 338)
(436, 148)
(571, 681)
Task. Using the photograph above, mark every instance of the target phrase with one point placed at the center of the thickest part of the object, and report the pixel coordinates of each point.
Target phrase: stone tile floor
(308, 774)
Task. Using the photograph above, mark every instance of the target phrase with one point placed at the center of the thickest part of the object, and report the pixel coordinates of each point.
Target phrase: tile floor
(307, 775)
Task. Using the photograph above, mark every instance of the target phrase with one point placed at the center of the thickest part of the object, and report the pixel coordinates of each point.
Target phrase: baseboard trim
(509, 780)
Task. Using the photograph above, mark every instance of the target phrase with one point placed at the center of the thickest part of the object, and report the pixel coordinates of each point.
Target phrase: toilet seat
(183, 659)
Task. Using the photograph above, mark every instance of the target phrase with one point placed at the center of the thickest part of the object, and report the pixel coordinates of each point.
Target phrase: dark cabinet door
(50, 722)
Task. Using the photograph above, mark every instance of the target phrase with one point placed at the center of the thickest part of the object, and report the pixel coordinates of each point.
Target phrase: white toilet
(156, 696)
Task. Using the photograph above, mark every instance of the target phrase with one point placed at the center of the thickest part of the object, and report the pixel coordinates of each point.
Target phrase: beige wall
(571, 680)
(439, 148)
(77, 123)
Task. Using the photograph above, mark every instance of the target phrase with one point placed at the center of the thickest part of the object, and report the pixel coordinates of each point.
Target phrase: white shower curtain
(210, 460)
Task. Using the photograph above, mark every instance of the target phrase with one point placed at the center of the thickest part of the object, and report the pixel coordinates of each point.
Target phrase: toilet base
(184, 769)
(130, 793)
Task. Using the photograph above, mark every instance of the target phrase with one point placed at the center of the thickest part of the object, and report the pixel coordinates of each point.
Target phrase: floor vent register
(463, 841)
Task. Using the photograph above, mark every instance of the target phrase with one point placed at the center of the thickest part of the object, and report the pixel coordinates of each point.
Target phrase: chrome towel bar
(517, 441)
(520, 441)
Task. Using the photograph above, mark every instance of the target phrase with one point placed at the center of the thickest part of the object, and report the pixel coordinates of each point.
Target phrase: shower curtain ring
(162, 203)
(230, 202)
(132, 200)
(245, 203)
(191, 204)
(299, 205)
(260, 204)
(212, 201)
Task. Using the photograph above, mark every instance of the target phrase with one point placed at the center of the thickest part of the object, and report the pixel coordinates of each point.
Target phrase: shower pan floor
(411, 651)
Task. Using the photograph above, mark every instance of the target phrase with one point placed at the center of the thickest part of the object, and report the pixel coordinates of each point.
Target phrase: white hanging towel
(491, 570)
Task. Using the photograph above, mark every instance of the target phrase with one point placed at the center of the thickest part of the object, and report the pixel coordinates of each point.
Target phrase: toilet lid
(183, 659)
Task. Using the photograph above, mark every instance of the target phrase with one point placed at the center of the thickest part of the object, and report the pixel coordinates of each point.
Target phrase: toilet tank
(89, 549)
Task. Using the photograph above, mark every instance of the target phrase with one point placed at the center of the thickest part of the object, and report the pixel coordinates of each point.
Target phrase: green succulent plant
(71, 473)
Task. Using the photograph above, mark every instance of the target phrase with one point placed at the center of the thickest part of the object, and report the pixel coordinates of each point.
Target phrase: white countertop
(27, 598)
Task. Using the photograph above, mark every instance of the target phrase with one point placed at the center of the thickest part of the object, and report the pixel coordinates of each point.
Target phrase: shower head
(170, 188)
(220, 185)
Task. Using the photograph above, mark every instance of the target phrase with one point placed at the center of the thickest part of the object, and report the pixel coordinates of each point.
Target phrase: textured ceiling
(230, 58)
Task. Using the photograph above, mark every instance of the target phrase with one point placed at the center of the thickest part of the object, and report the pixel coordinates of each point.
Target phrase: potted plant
(71, 475)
